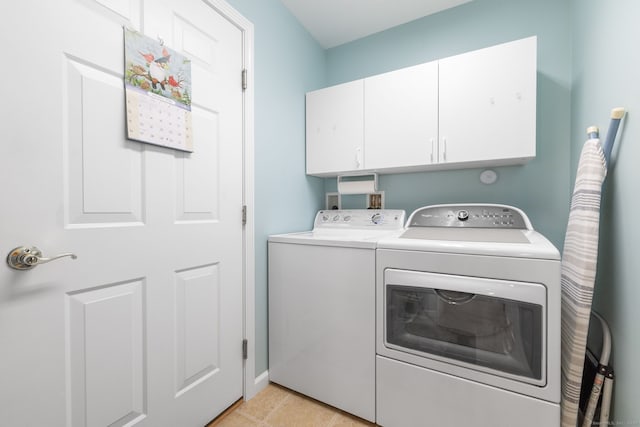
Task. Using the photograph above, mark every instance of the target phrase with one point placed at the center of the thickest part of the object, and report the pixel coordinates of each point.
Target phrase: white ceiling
(335, 22)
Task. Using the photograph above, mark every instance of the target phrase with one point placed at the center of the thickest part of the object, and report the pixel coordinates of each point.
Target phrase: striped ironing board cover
(579, 259)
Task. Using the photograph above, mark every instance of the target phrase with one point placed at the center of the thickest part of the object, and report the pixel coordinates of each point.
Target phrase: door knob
(25, 258)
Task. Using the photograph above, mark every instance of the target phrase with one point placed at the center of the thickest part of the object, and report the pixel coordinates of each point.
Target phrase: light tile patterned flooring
(276, 406)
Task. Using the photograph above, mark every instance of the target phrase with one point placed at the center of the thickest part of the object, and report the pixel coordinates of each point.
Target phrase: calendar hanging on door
(158, 93)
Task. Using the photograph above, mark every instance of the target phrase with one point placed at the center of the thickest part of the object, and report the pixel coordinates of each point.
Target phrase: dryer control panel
(471, 216)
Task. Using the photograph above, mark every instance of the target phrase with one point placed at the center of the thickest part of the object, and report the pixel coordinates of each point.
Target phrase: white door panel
(106, 354)
(96, 147)
(145, 327)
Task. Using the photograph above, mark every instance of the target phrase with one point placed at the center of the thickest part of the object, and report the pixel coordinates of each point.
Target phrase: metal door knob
(25, 257)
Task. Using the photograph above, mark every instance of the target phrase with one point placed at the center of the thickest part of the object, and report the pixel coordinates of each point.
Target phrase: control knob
(377, 218)
(463, 215)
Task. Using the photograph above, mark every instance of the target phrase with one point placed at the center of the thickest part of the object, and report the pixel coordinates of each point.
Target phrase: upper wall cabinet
(401, 117)
(470, 110)
(335, 135)
(488, 105)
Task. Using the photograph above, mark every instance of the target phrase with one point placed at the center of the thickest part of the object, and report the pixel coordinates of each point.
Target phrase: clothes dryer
(468, 321)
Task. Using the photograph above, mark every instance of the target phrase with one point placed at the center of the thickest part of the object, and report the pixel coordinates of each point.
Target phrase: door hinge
(245, 350)
(244, 79)
(244, 214)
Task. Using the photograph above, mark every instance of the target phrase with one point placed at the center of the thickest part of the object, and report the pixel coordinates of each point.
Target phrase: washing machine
(468, 321)
(322, 307)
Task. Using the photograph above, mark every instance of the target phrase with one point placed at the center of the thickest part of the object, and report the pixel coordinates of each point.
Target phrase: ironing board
(579, 260)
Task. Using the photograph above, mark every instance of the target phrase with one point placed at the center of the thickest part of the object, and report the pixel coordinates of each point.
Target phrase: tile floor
(276, 406)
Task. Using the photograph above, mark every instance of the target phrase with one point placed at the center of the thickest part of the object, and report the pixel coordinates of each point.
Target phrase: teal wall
(583, 71)
(288, 63)
(541, 187)
(606, 70)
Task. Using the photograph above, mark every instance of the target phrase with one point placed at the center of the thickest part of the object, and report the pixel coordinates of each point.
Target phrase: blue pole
(593, 132)
(607, 146)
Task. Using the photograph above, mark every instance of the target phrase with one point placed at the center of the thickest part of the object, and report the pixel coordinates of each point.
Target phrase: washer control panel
(471, 215)
(391, 219)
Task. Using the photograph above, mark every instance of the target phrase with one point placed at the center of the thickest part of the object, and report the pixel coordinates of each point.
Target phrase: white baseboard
(261, 381)
(259, 384)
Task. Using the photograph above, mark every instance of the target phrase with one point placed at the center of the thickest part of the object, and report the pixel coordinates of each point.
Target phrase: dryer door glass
(481, 331)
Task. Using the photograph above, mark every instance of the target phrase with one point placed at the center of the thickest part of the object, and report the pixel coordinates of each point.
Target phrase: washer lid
(355, 228)
(504, 243)
(466, 234)
(347, 239)
(475, 229)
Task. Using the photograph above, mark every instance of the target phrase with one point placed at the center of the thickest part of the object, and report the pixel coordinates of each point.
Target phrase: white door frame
(251, 386)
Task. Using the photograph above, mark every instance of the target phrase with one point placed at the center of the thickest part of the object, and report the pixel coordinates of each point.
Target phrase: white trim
(251, 384)
(261, 382)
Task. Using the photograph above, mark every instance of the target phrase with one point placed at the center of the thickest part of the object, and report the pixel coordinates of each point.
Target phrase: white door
(145, 327)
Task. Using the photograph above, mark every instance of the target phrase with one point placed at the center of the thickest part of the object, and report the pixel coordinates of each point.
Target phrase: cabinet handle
(358, 158)
(432, 142)
(444, 151)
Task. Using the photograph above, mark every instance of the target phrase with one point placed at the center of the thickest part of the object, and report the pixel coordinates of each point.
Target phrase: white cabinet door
(401, 117)
(335, 131)
(488, 104)
(473, 109)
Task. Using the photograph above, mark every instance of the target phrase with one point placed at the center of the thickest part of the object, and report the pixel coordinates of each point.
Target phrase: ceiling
(335, 22)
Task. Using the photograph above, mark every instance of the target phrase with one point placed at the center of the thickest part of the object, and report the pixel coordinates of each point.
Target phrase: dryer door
(489, 325)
